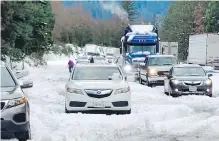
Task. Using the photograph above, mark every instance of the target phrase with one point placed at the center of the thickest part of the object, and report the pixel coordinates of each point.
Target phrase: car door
(167, 80)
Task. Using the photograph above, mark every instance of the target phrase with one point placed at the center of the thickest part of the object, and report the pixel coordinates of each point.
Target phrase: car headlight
(208, 82)
(75, 91)
(174, 81)
(122, 90)
(152, 72)
(16, 102)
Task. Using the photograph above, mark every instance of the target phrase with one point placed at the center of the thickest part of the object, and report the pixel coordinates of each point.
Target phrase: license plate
(99, 104)
(192, 88)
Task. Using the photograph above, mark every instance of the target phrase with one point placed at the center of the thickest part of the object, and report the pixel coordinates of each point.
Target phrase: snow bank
(215, 79)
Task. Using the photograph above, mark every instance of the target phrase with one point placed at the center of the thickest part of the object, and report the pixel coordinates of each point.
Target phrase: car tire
(140, 80)
(24, 136)
(210, 95)
(148, 83)
(66, 111)
(124, 112)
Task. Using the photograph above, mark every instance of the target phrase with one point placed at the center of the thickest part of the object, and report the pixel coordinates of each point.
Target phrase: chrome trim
(98, 91)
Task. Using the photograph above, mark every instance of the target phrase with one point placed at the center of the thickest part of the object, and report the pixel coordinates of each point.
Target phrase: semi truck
(138, 42)
(204, 50)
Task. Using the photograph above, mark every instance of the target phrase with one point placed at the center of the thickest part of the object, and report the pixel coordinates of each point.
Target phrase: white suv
(97, 88)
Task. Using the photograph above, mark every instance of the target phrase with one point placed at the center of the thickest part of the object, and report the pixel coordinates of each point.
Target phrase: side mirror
(168, 76)
(26, 84)
(210, 75)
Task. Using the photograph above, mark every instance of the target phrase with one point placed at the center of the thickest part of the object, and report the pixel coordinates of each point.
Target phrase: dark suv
(15, 109)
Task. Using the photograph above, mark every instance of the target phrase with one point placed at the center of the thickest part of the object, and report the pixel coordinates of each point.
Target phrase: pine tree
(212, 17)
(130, 8)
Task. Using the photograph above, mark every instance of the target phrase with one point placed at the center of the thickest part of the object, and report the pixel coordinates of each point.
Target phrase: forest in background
(34, 28)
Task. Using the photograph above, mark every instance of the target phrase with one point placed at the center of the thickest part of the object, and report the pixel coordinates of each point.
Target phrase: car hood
(98, 84)
(161, 68)
(8, 93)
(191, 78)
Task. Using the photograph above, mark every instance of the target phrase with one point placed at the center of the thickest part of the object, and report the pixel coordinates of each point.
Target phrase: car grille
(2, 105)
(98, 93)
(162, 73)
(192, 83)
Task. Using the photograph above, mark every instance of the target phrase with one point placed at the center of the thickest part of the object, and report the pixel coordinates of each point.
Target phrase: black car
(185, 79)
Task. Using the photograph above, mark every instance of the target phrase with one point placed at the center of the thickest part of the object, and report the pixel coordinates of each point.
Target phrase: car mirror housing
(210, 75)
(26, 84)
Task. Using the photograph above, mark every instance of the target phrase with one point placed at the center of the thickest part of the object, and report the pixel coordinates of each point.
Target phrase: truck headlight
(122, 90)
(16, 102)
(128, 68)
(208, 82)
(152, 72)
(75, 91)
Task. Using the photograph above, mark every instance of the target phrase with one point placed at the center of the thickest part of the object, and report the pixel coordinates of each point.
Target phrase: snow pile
(154, 117)
(215, 79)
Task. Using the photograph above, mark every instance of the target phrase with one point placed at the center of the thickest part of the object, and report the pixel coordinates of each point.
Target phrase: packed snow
(154, 117)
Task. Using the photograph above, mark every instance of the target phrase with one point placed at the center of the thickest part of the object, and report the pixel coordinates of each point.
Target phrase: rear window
(94, 73)
(6, 78)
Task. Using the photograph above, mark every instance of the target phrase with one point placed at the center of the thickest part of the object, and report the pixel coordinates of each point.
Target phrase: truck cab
(155, 68)
(138, 42)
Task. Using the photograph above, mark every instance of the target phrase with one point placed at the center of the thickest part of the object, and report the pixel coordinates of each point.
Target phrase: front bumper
(9, 128)
(14, 119)
(156, 79)
(114, 102)
(184, 90)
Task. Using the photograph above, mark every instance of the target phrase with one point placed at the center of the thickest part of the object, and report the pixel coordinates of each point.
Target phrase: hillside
(145, 9)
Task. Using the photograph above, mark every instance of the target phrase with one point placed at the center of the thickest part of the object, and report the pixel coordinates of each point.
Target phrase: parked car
(185, 79)
(154, 70)
(15, 109)
(97, 88)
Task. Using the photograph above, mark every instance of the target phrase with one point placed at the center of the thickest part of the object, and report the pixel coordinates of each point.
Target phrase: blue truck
(138, 42)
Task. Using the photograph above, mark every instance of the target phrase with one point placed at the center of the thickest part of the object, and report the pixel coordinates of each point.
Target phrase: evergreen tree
(212, 17)
(130, 8)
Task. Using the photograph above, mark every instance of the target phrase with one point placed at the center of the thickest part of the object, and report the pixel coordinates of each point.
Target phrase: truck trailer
(204, 50)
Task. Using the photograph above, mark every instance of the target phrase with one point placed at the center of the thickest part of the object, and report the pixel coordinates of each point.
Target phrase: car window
(6, 78)
(188, 71)
(94, 73)
(161, 61)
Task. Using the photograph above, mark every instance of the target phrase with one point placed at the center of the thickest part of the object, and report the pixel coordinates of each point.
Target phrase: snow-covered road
(155, 116)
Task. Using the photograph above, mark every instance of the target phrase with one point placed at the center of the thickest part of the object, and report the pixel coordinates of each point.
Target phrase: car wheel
(140, 80)
(210, 95)
(24, 136)
(148, 83)
(66, 111)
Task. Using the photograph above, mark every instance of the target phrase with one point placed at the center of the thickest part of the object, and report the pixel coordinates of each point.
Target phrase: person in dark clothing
(70, 65)
(91, 59)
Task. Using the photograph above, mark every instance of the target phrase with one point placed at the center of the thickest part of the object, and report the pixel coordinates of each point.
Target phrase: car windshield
(188, 71)
(142, 49)
(95, 73)
(6, 78)
(161, 61)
